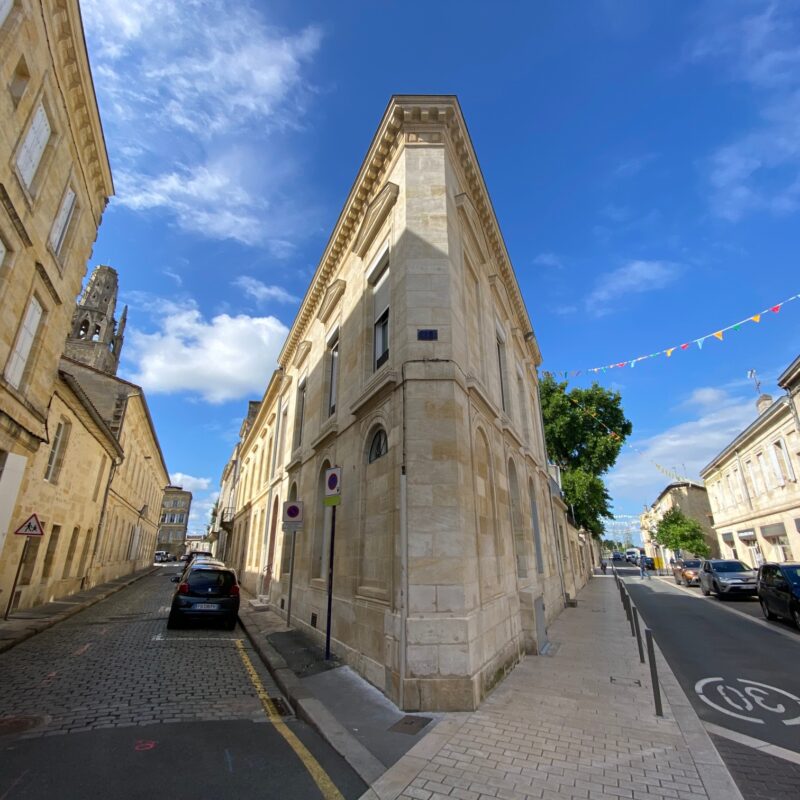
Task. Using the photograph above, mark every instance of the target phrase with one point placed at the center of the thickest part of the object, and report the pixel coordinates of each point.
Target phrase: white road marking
(751, 741)
(740, 699)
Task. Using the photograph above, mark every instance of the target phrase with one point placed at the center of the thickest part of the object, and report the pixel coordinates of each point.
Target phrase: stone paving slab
(577, 725)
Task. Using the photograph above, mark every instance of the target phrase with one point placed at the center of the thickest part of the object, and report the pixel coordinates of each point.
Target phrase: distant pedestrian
(603, 566)
(643, 568)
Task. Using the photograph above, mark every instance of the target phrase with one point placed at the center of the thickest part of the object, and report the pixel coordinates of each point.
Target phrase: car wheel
(678, 581)
(173, 622)
(718, 593)
(766, 612)
(230, 624)
(705, 591)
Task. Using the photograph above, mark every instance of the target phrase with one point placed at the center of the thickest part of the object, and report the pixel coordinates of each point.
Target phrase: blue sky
(643, 160)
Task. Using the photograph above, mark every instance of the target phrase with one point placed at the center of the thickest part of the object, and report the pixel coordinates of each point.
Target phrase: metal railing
(636, 630)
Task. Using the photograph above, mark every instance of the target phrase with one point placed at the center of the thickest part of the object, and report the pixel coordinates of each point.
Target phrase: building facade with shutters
(753, 483)
(412, 365)
(173, 523)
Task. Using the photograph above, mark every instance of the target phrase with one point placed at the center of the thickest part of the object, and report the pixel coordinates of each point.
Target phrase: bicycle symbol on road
(748, 700)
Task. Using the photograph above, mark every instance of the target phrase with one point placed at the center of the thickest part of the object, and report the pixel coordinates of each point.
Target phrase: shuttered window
(30, 154)
(15, 367)
(61, 223)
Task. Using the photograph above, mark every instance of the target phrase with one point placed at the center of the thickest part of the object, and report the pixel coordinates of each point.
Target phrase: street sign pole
(330, 586)
(291, 583)
(16, 577)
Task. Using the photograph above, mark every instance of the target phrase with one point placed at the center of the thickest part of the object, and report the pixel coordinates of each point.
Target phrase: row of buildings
(78, 448)
(749, 503)
(412, 366)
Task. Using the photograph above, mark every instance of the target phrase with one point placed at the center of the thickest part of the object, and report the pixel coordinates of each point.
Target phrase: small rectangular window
(62, 220)
(33, 146)
(333, 376)
(15, 367)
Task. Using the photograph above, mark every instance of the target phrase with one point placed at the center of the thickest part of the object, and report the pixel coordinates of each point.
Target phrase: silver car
(726, 578)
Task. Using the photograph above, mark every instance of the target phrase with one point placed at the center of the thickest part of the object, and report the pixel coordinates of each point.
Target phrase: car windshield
(691, 564)
(730, 566)
(792, 575)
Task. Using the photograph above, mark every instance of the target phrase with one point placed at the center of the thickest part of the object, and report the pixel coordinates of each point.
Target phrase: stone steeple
(95, 338)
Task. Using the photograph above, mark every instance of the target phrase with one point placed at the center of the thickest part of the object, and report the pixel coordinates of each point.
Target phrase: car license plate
(207, 606)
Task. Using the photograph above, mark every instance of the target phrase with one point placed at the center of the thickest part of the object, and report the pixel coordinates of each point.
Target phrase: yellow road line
(320, 777)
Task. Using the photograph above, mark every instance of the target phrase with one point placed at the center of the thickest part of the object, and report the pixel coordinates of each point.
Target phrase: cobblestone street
(116, 666)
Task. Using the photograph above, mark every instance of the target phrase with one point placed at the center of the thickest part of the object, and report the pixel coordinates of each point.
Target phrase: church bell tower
(96, 338)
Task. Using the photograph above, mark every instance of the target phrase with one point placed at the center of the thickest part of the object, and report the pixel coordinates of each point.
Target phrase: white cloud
(632, 166)
(195, 95)
(261, 292)
(706, 396)
(189, 482)
(685, 448)
(636, 277)
(219, 359)
(548, 260)
(760, 169)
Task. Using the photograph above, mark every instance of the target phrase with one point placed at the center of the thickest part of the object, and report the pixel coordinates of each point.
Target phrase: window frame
(333, 366)
(381, 437)
(378, 276)
(57, 450)
(300, 411)
(30, 354)
(31, 187)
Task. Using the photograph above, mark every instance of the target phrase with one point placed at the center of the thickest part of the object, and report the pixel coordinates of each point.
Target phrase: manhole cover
(410, 724)
(10, 726)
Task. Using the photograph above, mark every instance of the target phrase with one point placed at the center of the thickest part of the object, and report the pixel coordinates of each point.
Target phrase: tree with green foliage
(677, 532)
(584, 430)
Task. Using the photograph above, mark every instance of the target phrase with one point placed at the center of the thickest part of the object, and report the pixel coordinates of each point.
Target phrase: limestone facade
(412, 365)
(692, 500)
(753, 483)
(174, 520)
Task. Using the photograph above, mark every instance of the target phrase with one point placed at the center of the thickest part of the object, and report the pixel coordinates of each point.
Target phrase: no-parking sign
(333, 486)
(293, 514)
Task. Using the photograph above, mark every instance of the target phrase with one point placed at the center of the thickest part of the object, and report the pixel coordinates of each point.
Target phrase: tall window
(380, 307)
(15, 366)
(333, 373)
(523, 406)
(281, 450)
(30, 154)
(782, 461)
(300, 413)
(753, 478)
(501, 367)
(765, 471)
(73, 544)
(57, 452)
(62, 220)
(50, 554)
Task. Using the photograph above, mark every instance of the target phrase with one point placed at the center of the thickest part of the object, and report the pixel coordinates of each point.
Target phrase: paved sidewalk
(23, 624)
(578, 723)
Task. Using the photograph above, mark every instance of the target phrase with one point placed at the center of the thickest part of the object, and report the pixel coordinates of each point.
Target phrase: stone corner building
(174, 522)
(411, 365)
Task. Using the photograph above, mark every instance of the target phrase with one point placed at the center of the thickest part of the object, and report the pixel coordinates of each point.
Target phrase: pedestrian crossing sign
(31, 527)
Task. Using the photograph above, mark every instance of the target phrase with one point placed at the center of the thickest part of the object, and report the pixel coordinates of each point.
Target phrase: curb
(308, 708)
(43, 625)
(716, 777)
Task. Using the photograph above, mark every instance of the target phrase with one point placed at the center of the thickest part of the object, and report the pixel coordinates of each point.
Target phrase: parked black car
(206, 592)
(779, 591)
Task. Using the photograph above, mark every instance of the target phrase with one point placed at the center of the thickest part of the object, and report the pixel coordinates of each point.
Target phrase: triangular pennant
(777, 308)
(685, 346)
(718, 334)
(700, 342)
(633, 363)
(756, 318)
(737, 327)
(669, 351)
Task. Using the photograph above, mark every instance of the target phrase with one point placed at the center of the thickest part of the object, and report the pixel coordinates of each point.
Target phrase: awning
(773, 531)
(747, 536)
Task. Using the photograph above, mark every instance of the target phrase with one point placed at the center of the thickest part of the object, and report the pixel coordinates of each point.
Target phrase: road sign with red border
(31, 527)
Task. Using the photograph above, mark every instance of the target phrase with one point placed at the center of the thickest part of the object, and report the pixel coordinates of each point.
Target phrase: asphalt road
(110, 703)
(738, 673)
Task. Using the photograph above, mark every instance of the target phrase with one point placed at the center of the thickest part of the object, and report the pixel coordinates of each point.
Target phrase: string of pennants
(670, 473)
(678, 348)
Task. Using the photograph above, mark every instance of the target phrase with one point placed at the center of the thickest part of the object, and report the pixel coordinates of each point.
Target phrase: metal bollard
(651, 654)
(638, 635)
(631, 612)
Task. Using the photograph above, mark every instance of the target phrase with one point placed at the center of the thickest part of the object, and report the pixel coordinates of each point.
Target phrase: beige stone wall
(68, 505)
(436, 573)
(43, 62)
(127, 536)
(754, 490)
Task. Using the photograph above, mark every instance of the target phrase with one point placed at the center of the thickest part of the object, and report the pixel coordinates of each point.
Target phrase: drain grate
(410, 724)
(280, 706)
(11, 726)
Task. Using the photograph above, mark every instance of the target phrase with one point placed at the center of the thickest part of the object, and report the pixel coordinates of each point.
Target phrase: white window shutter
(15, 367)
(62, 220)
(36, 139)
(776, 467)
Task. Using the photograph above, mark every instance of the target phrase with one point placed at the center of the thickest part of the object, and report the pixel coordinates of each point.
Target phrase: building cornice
(790, 377)
(751, 431)
(409, 114)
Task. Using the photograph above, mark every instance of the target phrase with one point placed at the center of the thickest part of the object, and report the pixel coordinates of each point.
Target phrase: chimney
(763, 403)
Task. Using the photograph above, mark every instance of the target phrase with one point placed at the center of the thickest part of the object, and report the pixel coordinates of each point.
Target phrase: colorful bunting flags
(685, 346)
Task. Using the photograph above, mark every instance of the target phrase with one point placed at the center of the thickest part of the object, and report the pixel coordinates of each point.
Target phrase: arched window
(83, 332)
(96, 334)
(379, 446)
